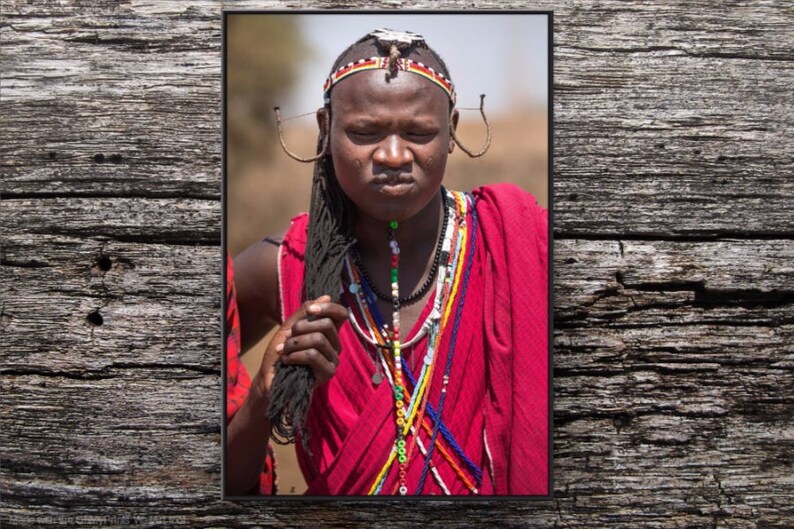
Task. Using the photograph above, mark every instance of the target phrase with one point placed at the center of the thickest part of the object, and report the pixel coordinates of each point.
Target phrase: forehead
(375, 91)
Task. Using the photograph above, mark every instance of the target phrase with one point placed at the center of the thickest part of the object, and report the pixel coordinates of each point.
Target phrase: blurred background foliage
(262, 64)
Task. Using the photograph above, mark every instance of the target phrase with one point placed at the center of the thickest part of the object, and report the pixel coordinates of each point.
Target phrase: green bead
(401, 458)
(393, 224)
(401, 443)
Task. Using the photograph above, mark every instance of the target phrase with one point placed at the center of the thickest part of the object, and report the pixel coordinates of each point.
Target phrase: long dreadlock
(330, 237)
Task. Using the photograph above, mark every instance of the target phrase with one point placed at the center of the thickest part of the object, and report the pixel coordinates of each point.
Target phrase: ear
(323, 120)
(453, 126)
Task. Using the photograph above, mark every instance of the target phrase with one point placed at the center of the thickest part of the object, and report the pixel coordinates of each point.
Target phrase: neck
(416, 236)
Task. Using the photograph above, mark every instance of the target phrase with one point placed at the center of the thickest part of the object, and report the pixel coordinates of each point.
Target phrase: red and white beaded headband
(395, 43)
(384, 63)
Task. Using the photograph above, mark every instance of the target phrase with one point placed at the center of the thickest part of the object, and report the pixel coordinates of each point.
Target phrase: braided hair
(330, 237)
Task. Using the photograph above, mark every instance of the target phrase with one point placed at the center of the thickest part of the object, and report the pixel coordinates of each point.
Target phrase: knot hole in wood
(95, 318)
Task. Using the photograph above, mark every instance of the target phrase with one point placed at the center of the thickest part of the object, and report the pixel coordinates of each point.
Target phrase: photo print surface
(387, 242)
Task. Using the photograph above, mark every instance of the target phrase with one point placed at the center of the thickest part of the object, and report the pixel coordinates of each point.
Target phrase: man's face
(389, 141)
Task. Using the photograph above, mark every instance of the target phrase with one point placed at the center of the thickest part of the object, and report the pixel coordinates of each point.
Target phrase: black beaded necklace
(417, 295)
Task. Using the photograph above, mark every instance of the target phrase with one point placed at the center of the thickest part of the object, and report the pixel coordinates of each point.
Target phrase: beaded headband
(395, 42)
(382, 63)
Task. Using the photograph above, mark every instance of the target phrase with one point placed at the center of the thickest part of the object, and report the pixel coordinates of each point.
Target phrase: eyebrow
(368, 121)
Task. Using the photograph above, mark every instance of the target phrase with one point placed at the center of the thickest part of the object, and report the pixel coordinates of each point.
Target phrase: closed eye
(421, 136)
(363, 135)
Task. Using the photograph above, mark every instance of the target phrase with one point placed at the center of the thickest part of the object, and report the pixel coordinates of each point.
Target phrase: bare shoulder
(256, 281)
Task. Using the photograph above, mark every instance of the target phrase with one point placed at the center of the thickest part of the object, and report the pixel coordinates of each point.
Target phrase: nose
(393, 152)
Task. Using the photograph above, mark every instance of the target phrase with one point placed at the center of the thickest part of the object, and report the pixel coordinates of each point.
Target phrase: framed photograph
(387, 238)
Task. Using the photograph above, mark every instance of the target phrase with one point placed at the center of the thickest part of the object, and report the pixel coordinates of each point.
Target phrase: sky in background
(504, 56)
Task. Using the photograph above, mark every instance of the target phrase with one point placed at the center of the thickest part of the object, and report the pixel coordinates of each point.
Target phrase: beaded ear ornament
(395, 43)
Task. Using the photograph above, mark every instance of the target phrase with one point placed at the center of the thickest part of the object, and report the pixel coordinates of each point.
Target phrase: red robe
(237, 380)
(496, 405)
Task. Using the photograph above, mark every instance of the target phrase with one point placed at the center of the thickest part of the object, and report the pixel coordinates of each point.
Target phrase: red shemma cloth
(237, 381)
(496, 405)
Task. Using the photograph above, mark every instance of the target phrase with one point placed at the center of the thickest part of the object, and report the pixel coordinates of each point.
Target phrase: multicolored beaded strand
(399, 387)
(448, 367)
(419, 397)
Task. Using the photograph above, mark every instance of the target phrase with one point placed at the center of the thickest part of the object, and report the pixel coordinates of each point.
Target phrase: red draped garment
(496, 406)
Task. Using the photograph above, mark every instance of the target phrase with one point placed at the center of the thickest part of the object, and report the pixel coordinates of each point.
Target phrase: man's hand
(308, 337)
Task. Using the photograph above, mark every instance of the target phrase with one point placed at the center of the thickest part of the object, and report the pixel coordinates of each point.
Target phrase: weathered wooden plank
(699, 28)
(673, 123)
(626, 286)
(726, 265)
(83, 82)
(80, 266)
(148, 220)
(620, 464)
(106, 297)
(686, 162)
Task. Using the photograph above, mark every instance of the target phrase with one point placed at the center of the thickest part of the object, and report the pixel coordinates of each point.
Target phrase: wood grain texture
(674, 282)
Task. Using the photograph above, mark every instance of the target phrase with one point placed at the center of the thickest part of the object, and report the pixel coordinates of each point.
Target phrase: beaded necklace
(412, 410)
(420, 388)
(437, 426)
(422, 290)
(399, 388)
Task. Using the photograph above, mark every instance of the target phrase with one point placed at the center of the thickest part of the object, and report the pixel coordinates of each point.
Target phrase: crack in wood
(110, 371)
(679, 52)
(32, 467)
(747, 298)
(137, 194)
(125, 43)
(706, 236)
(33, 263)
(202, 239)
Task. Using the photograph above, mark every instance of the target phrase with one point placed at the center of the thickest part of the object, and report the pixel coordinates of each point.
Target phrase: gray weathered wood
(674, 282)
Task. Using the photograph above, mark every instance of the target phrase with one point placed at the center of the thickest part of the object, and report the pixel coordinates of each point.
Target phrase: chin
(398, 212)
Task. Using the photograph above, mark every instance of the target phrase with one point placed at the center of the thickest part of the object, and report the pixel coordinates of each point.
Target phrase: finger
(303, 311)
(325, 326)
(286, 328)
(328, 309)
(315, 341)
(323, 369)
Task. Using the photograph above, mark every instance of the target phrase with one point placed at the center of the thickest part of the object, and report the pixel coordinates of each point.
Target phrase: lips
(393, 185)
(393, 180)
